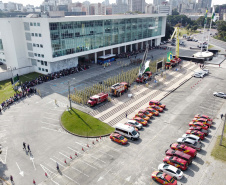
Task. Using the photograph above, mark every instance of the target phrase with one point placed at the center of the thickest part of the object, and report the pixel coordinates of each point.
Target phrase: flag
(169, 56)
(213, 15)
(205, 21)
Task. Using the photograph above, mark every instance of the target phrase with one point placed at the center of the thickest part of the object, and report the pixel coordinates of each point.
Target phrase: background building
(50, 44)
(120, 7)
(137, 5)
(165, 8)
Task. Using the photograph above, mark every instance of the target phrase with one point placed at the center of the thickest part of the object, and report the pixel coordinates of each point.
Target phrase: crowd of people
(26, 87)
(17, 96)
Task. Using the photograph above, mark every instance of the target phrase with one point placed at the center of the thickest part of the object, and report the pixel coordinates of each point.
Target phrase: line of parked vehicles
(130, 129)
(201, 73)
(181, 154)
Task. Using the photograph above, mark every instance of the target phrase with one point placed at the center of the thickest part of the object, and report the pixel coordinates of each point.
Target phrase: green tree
(175, 12)
(169, 31)
(221, 28)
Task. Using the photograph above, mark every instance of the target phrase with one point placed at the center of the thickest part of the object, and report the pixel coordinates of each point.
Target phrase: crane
(176, 32)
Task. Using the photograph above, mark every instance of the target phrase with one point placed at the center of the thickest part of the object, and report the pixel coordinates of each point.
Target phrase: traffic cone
(96, 140)
(76, 154)
(70, 157)
(65, 161)
(83, 149)
(46, 174)
(87, 145)
(34, 181)
(93, 143)
(100, 137)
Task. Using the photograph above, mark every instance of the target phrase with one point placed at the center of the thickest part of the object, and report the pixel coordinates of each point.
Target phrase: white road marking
(70, 179)
(46, 170)
(51, 119)
(50, 124)
(32, 159)
(104, 153)
(21, 172)
(100, 178)
(64, 155)
(54, 181)
(128, 178)
(113, 148)
(88, 164)
(79, 171)
(57, 162)
(96, 158)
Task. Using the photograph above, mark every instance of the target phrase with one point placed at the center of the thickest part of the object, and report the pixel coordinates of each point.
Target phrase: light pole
(69, 92)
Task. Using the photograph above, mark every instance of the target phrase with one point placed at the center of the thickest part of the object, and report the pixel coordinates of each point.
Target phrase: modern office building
(51, 44)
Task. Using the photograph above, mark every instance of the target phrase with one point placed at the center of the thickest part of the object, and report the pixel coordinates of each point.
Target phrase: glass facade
(78, 36)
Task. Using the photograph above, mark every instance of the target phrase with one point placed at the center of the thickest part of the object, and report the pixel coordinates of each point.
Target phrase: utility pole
(69, 92)
(223, 130)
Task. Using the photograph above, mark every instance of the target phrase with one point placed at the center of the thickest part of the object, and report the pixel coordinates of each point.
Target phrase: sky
(38, 2)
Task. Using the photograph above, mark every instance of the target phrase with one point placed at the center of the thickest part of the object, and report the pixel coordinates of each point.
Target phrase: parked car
(189, 142)
(145, 112)
(157, 108)
(153, 111)
(140, 120)
(206, 132)
(199, 74)
(163, 178)
(173, 44)
(118, 138)
(203, 120)
(135, 123)
(206, 71)
(179, 154)
(200, 134)
(192, 137)
(142, 115)
(203, 116)
(176, 161)
(174, 172)
(198, 124)
(220, 94)
(183, 148)
(155, 102)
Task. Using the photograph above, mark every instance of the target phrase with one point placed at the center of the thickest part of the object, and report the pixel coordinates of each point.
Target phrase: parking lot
(35, 121)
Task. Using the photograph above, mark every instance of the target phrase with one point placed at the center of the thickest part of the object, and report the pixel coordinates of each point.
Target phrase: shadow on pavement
(136, 141)
(183, 180)
(202, 152)
(189, 172)
(194, 167)
(198, 160)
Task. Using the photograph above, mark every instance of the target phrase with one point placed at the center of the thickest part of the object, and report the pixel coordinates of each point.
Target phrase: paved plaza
(36, 121)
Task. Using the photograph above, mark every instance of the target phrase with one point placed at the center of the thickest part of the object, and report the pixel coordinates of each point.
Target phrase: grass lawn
(6, 89)
(184, 31)
(83, 124)
(219, 152)
(210, 46)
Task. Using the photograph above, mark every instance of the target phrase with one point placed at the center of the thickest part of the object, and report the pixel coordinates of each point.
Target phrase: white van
(127, 131)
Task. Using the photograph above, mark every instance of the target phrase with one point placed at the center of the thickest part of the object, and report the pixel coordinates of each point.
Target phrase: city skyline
(39, 2)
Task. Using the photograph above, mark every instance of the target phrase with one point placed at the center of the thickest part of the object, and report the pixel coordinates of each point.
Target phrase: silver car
(189, 142)
(192, 136)
(135, 123)
(171, 170)
(219, 94)
(199, 74)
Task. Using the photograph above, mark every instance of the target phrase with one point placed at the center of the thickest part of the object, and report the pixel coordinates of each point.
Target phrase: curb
(167, 94)
(77, 134)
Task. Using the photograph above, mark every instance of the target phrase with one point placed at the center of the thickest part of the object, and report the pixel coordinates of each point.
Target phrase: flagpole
(209, 35)
(203, 38)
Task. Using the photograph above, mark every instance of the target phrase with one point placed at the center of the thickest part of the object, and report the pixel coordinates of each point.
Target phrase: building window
(45, 63)
(40, 34)
(38, 24)
(39, 68)
(42, 69)
(32, 34)
(39, 55)
(42, 56)
(36, 54)
(33, 45)
(42, 62)
(34, 23)
(46, 70)
(38, 60)
(37, 45)
(31, 24)
(36, 34)
(41, 46)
